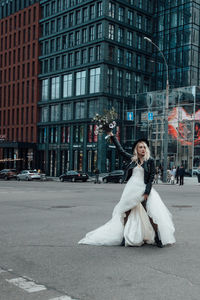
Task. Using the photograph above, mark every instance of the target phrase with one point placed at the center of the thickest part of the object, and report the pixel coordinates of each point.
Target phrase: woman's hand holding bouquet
(105, 123)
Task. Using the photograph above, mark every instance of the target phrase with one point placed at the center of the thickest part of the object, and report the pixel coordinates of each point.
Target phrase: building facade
(93, 57)
(19, 85)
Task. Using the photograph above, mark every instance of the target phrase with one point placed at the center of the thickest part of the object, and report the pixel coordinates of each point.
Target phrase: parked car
(74, 176)
(115, 176)
(8, 174)
(30, 175)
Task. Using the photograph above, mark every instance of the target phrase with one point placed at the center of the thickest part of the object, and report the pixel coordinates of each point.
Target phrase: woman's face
(141, 149)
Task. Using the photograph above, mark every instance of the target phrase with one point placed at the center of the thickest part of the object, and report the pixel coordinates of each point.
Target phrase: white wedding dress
(138, 228)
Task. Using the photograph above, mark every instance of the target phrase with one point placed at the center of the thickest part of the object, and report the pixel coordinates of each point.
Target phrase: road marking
(29, 286)
(2, 271)
(63, 298)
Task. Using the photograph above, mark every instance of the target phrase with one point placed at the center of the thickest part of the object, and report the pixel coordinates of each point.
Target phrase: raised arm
(121, 151)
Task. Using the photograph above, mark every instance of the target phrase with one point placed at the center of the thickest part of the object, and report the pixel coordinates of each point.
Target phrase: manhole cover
(62, 206)
(182, 206)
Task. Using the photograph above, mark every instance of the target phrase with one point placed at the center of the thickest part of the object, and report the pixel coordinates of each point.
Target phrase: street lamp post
(165, 142)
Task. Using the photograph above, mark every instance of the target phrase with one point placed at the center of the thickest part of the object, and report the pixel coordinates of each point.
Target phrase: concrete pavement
(41, 223)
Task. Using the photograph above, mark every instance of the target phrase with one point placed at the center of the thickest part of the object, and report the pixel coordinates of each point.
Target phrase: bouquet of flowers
(105, 122)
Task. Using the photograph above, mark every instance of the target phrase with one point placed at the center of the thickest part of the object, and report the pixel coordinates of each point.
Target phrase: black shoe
(158, 241)
(123, 242)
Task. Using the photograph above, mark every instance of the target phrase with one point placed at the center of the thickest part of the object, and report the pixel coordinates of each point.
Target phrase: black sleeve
(121, 151)
(151, 177)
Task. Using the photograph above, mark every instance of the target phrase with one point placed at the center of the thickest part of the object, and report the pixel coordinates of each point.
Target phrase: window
(54, 112)
(65, 22)
(92, 12)
(64, 61)
(58, 63)
(119, 82)
(120, 56)
(84, 35)
(80, 83)
(44, 89)
(91, 54)
(85, 14)
(139, 22)
(139, 41)
(121, 14)
(128, 84)
(99, 31)
(137, 83)
(44, 114)
(66, 112)
(128, 59)
(98, 52)
(93, 107)
(53, 27)
(91, 33)
(111, 32)
(111, 10)
(138, 62)
(130, 38)
(110, 80)
(78, 17)
(120, 35)
(71, 40)
(67, 85)
(130, 17)
(95, 80)
(84, 56)
(70, 59)
(80, 110)
(99, 9)
(55, 87)
(77, 58)
(77, 37)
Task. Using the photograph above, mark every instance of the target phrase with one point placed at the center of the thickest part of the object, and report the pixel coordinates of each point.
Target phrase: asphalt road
(41, 223)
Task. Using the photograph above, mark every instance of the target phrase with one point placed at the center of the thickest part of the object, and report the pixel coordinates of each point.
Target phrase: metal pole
(165, 142)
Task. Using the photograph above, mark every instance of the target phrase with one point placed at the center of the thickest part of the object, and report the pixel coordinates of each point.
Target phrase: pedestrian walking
(157, 174)
(96, 172)
(181, 175)
(140, 216)
(198, 174)
(177, 175)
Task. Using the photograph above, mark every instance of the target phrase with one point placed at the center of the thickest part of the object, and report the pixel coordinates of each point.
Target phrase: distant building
(19, 85)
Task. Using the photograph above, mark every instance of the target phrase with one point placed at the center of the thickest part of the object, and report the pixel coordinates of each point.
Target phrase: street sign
(130, 116)
(150, 116)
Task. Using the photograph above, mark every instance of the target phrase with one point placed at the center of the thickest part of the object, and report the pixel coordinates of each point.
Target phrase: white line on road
(63, 298)
(29, 286)
(2, 271)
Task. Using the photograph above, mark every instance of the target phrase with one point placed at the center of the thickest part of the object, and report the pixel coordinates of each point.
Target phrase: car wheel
(61, 179)
(6, 178)
(27, 178)
(105, 180)
(18, 179)
(73, 179)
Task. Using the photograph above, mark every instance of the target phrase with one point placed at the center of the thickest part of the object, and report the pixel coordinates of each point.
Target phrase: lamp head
(149, 40)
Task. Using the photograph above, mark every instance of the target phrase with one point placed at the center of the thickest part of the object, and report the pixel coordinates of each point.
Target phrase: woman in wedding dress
(140, 216)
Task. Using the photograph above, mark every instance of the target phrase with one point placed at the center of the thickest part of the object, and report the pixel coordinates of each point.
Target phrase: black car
(8, 174)
(74, 176)
(115, 176)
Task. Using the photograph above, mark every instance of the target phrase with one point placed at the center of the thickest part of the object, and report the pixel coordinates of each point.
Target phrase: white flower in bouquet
(106, 122)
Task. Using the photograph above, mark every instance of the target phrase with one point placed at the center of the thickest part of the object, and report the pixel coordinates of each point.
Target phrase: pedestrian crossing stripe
(27, 285)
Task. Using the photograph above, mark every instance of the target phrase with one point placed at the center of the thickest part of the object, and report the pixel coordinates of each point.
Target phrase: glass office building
(183, 125)
(176, 32)
(93, 57)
